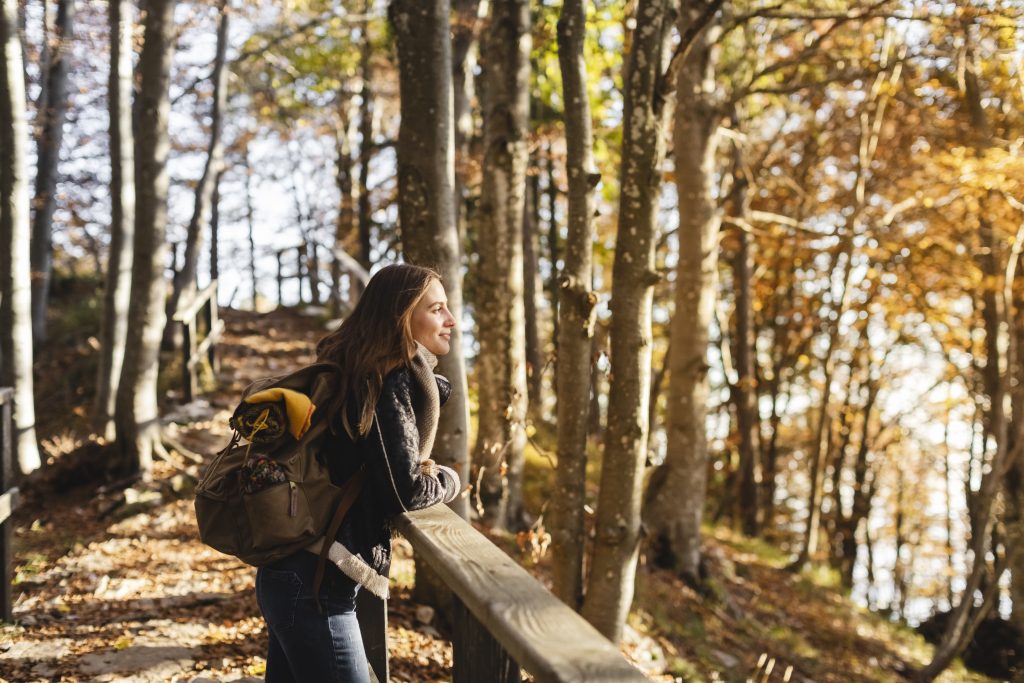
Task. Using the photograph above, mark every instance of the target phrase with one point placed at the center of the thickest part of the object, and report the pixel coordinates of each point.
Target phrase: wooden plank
(207, 344)
(189, 310)
(547, 638)
(8, 501)
(372, 613)
(189, 383)
(6, 395)
(476, 655)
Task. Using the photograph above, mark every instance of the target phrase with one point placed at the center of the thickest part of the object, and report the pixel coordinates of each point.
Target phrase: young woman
(389, 402)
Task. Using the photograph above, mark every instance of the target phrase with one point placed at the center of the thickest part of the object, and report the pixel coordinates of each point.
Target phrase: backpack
(271, 496)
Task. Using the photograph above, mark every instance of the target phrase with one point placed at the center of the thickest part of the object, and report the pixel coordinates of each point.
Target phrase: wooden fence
(8, 501)
(188, 314)
(504, 619)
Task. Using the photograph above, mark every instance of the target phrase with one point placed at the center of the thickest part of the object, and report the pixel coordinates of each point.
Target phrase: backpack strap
(353, 487)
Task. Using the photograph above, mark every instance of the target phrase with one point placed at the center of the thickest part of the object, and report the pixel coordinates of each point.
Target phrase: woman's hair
(374, 339)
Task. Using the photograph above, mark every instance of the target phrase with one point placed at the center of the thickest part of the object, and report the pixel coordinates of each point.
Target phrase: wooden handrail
(204, 302)
(189, 309)
(541, 633)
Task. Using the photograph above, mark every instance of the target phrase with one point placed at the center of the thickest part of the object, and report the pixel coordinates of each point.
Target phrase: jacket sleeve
(394, 459)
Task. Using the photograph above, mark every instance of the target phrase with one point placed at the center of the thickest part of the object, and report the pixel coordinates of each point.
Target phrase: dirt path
(103, 596)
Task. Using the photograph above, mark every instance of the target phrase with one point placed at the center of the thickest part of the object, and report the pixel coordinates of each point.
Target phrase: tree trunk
(576, 311)
(346, 227)
(501, 435)
(531, 310)
(215, 230)
(365, 141)
(51, 122)
(610, 585)
(114, 327)
(426, 194)
(965, 617)
(465, 42)
(137, 419)
(186, 279)
(675, 496)
(250, 224)
(15, 293)
(746, 386)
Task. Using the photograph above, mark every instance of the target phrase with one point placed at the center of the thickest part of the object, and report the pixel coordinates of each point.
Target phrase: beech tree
(137, 418)
(15, 294)
(427, 194)
(575, 312)
(185, 279)
(617, 534)
(501, 365)
(675, 496)
(52, 112)
(117, 290)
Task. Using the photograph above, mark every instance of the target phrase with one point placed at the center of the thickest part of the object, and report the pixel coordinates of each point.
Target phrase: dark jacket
(395, 482)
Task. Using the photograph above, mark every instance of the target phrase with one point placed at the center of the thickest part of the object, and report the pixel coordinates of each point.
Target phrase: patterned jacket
(396, 482)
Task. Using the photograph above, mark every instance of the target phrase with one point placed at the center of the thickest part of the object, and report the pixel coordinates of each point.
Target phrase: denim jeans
(305, 645)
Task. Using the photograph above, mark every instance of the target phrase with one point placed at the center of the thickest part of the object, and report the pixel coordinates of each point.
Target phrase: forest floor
(113, 584)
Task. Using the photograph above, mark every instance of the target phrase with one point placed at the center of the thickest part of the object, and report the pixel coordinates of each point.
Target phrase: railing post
(212, 316)
(372, 613)
(280, 281)
(477, 656)
(6, 549)
(190, 387)
(300, 270)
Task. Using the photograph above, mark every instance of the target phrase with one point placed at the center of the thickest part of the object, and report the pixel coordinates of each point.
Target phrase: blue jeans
(305, 645)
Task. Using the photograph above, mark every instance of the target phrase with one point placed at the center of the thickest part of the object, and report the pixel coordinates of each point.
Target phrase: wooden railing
(504, 619)
(205, 303)
(8, 501)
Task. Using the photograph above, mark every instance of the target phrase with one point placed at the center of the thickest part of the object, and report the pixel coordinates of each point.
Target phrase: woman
(389, 401)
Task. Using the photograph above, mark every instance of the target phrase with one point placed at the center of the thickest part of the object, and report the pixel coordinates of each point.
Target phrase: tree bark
(15, 293)
(576, 313)
(746, 384)
(51, 115)
(346, 226)
(186, 279)
(426, 194)
(501, 435)
(675, 496)
(137, 418)
(465, 47)
(365, 142)
(114, 329)
(610, 584)
(531, 318)
(998, 365)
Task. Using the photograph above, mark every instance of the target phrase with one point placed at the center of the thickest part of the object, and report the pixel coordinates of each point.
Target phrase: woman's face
(432, 322)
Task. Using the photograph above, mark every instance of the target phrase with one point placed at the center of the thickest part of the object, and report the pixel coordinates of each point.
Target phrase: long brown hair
(375, 339)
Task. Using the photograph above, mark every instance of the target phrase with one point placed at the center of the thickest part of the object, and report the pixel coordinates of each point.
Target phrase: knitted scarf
(423, 364)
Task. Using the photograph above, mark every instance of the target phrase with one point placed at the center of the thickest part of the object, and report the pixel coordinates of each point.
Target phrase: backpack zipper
(293, 499)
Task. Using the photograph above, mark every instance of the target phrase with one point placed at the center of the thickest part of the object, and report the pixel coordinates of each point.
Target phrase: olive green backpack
(269, 492)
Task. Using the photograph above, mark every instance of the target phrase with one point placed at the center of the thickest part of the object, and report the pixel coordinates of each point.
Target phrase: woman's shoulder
(401, 382)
